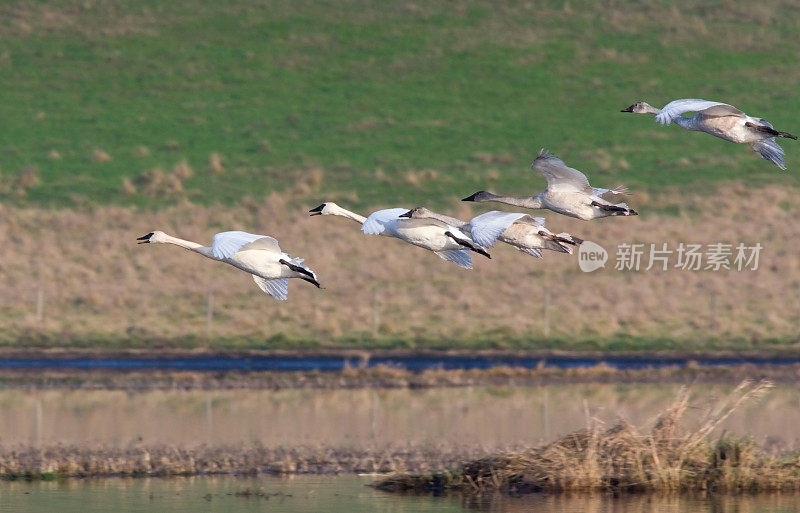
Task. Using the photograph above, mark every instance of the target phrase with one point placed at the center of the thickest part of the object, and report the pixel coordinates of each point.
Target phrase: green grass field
(372, 103)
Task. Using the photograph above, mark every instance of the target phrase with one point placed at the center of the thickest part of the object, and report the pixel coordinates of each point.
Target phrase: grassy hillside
(147, 101)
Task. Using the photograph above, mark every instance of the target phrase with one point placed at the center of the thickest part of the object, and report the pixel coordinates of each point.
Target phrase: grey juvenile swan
(568, 192)
(259, 255)
(446, 241)
(526, 233)
(723, 121)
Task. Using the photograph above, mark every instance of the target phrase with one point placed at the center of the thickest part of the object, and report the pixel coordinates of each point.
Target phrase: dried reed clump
(100, 156)
(623, 459)
(54, 154)
(182, 170)
(27, 178)
(215, 164)
(418, 178)
(155, 182)
(141, 151)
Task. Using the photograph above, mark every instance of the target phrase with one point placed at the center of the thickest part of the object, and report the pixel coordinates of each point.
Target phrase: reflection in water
(447, 417)
(347, 494)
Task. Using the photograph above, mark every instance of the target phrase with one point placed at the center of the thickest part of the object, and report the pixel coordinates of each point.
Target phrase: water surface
(342, 494)
(487, 417)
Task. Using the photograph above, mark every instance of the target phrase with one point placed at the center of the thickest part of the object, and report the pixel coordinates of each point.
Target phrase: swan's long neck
(343, 212)
(534, 202)
(187, 244)
(649, 109)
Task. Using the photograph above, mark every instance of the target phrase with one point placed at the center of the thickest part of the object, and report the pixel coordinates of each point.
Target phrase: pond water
(486, 417)
(344, 494)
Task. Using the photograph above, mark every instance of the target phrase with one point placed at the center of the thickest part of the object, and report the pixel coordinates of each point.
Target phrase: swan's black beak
(407, 214)
(317, 211)
(629, 109)
(470, 198)
(145, 238)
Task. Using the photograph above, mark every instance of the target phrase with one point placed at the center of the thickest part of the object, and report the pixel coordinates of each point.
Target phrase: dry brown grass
(252, 459)
(105, 286)
(667, 457)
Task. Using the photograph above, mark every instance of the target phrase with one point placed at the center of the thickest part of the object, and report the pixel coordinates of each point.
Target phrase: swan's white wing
(460, 257)
(678, 107)
(374, 225)
(227, 244)
(771, 151)
(558, 174)
(619, 189)
(486, 228)
(277, 288)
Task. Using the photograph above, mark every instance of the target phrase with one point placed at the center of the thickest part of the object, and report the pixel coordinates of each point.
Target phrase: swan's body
(723, 121)
(526, 233)
(444, 240)
(568, 192)
(259, 255)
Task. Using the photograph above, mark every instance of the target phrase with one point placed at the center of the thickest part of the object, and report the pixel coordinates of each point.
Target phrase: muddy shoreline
(384, 377)
(367, 354)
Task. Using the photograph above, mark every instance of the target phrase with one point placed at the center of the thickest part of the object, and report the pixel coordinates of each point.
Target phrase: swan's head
(641, 108)
(480, 196)
(152, 238)
(326, 209)
(417, 213)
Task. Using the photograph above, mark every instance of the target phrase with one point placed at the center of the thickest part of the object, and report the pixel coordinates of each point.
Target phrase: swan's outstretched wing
(771, 151)
(460, 257)
(676, 108)
(486, 228)
(227, 244)
(277, 288)
(619, 189)
(558, 174)
(374, 225)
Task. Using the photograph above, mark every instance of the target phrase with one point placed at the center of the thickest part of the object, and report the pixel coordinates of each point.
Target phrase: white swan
(723, 121)
(444, 240)
(568, 192)
(526, 233)
(259, 255)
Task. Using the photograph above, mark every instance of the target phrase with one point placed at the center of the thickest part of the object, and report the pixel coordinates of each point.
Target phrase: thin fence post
(209, 313)
(376, 316)
(39, 303)
(713, 308)
(546, 311)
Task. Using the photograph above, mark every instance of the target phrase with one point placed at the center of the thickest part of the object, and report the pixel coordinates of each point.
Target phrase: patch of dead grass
(165, 289)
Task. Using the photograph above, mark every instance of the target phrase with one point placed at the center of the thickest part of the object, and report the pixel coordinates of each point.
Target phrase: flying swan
(446, 241)
(259, 255)
(723, 121)
(526, 233)
(568, 192)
